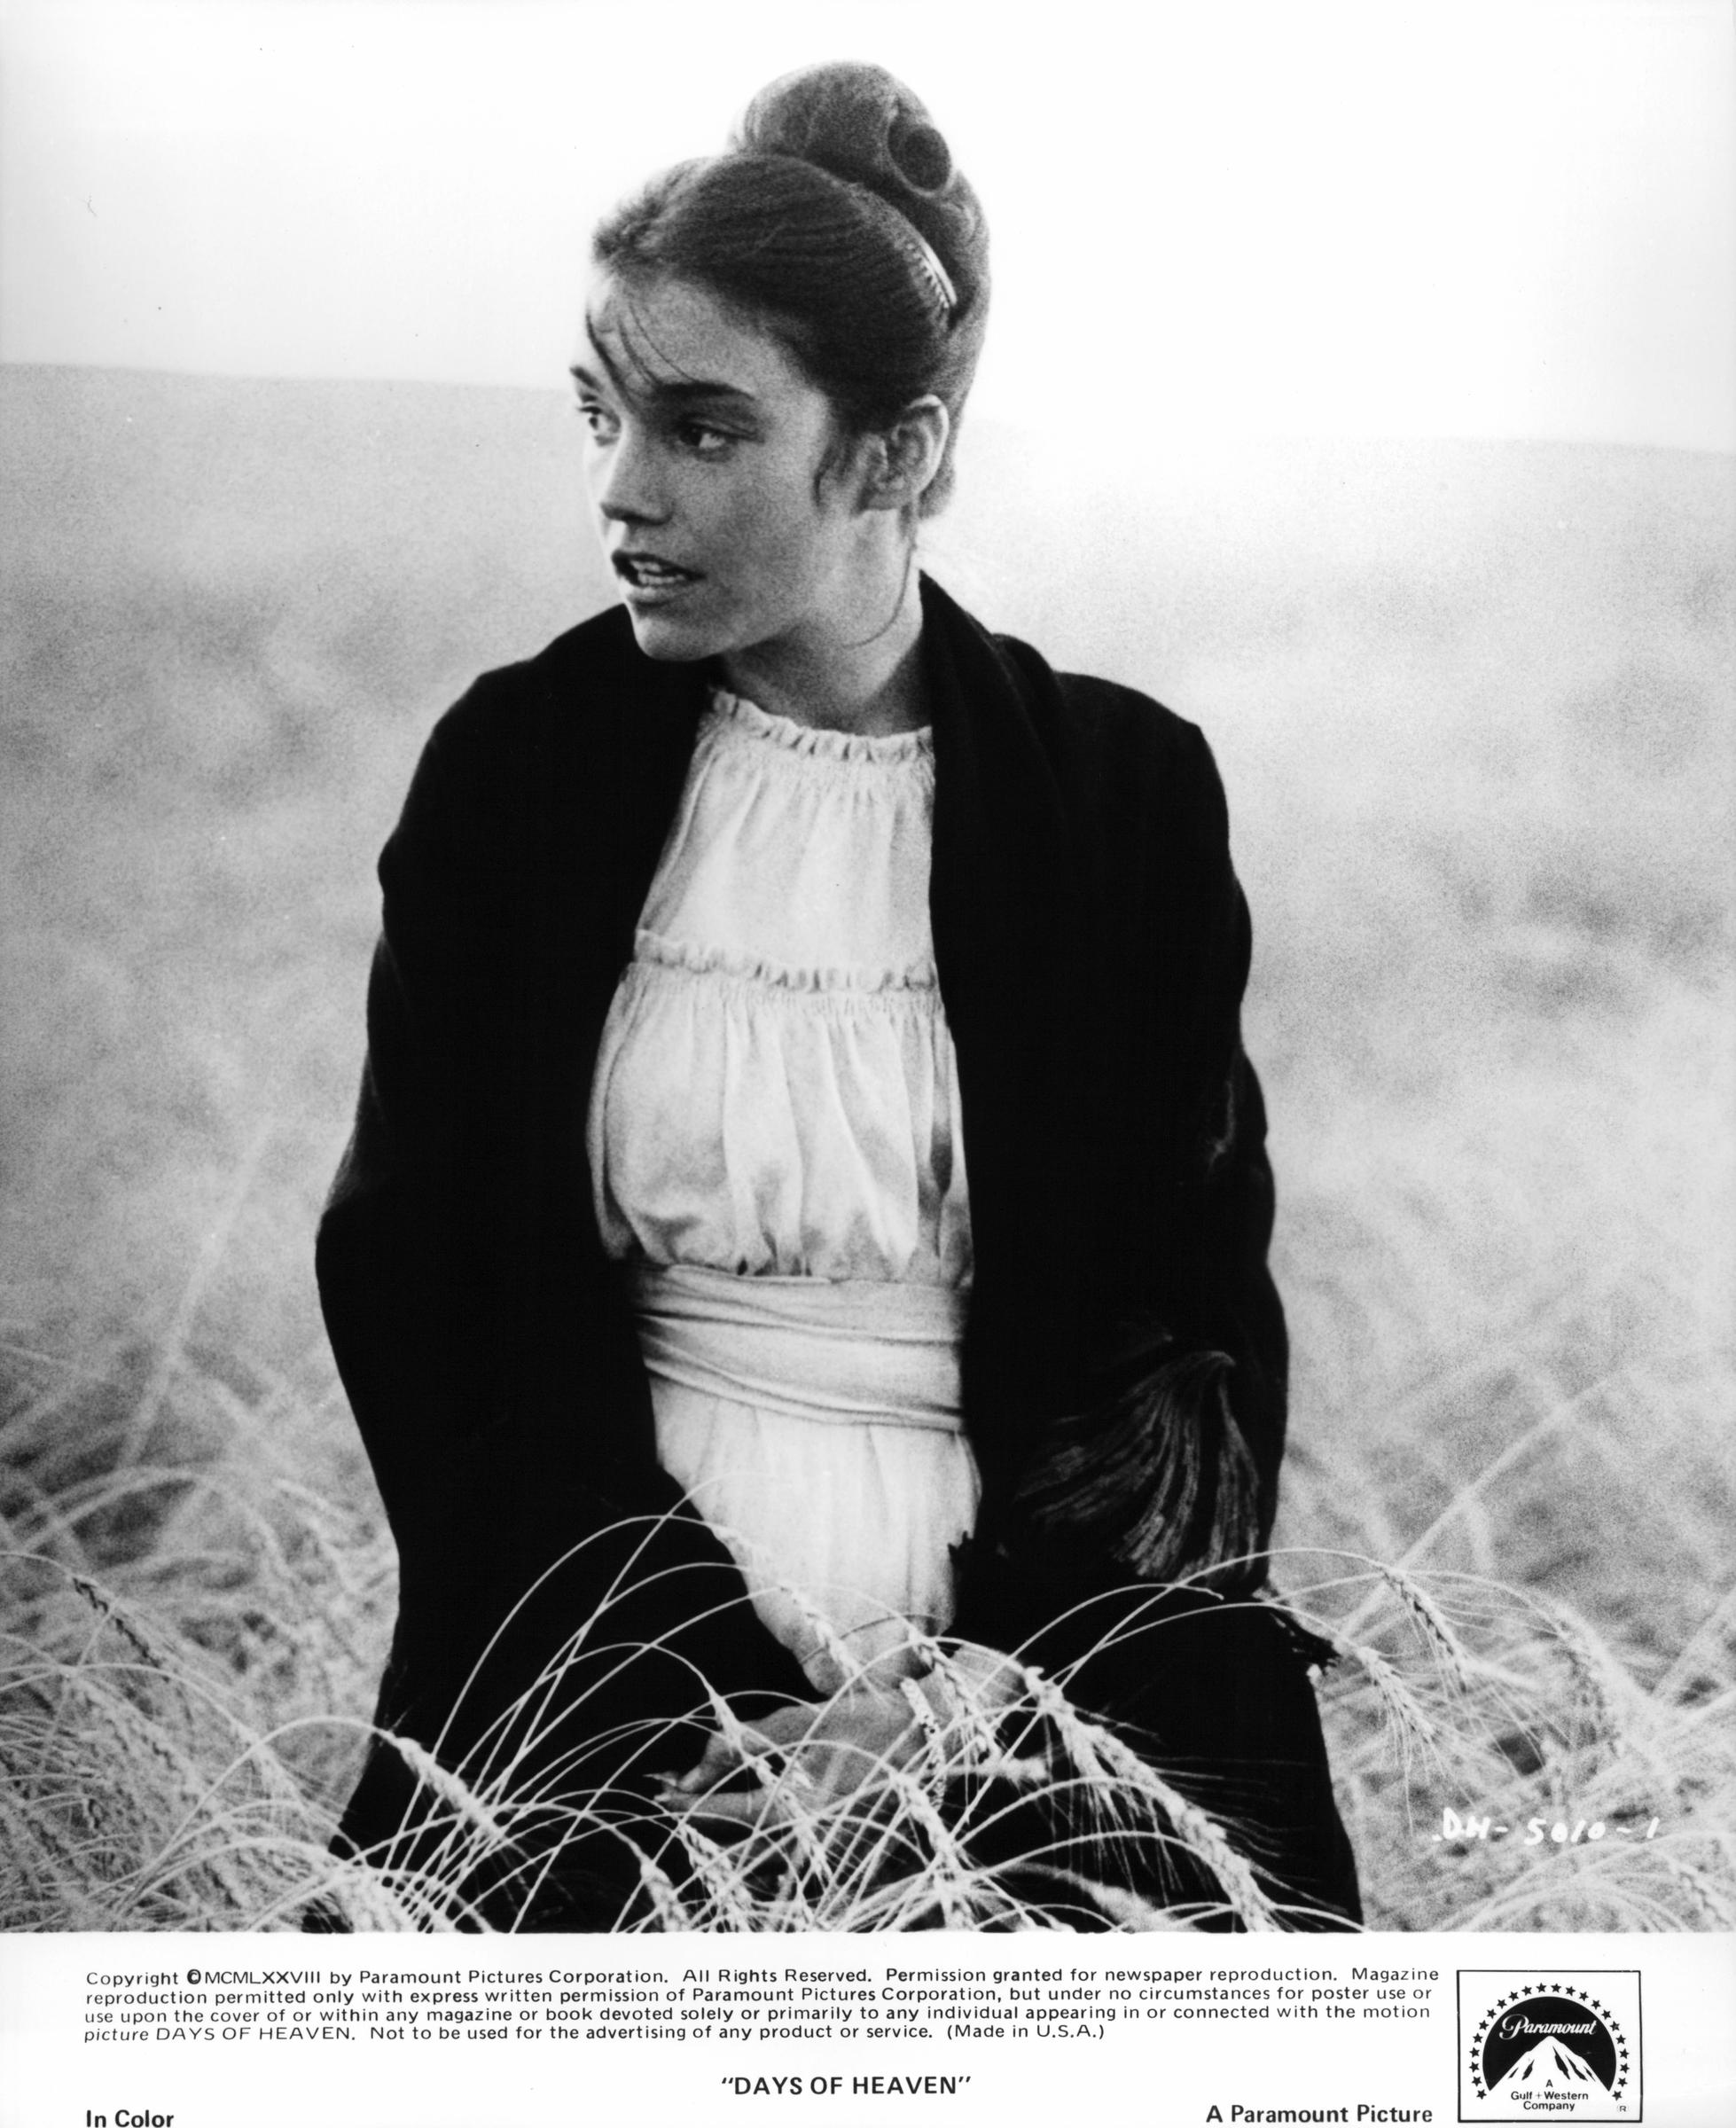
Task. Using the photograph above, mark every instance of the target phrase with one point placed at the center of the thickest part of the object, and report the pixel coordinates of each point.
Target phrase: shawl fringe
(1156, 1478)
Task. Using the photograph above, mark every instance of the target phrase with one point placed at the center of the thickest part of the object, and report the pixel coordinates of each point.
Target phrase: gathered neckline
(817, 741)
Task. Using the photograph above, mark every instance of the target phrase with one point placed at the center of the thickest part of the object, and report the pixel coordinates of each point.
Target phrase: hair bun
(918, 153)
(861, 124)
(857, 121)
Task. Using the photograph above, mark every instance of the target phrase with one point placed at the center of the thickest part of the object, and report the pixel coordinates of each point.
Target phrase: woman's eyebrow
(679, 391)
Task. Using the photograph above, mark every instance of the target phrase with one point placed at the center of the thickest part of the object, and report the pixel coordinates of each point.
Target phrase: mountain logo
(1549, 2046)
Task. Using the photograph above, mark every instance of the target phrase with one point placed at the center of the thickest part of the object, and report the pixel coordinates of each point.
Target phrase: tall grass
(193, 1640)
(1472, 707)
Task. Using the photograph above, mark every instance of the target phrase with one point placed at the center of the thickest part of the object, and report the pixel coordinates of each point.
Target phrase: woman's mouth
(649, 579)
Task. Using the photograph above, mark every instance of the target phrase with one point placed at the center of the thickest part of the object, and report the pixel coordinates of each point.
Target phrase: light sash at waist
(836, 1349)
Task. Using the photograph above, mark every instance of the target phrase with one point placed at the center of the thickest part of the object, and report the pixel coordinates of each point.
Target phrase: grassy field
(1473, 703)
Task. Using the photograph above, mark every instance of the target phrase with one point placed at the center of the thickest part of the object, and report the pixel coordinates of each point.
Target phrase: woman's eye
(595, 417)
(704, 441)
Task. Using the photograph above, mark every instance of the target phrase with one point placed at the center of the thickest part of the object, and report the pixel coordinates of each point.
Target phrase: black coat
(1091, 945)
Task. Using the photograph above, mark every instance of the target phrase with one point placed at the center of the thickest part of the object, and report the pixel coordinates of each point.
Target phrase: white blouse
(775, 1146)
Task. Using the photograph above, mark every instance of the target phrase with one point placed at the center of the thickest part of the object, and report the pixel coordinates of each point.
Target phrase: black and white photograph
(869, 1044)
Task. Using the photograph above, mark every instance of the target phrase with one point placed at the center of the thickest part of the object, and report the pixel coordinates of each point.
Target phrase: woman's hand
(805, 1757)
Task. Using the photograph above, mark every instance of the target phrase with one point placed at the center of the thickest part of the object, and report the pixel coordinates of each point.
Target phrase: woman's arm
(491, 1366)
(396, 1267)
(1170, 1470)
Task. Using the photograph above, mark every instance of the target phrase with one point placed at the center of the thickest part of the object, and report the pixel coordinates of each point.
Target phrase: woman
(805, 1153)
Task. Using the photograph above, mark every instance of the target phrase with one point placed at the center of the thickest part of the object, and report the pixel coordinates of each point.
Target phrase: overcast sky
(1307, 218)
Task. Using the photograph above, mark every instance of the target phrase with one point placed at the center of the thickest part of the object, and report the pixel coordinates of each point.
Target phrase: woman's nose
(625, 486)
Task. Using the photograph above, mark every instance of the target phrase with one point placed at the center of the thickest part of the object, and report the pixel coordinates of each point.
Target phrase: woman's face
(724, 491)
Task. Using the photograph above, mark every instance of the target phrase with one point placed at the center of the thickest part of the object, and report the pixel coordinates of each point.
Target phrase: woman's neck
(864, 675)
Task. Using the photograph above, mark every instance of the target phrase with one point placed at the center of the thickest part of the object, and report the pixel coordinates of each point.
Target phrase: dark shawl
(1092, 946)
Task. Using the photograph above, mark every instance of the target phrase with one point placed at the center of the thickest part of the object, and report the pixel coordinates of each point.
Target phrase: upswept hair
(839, 223)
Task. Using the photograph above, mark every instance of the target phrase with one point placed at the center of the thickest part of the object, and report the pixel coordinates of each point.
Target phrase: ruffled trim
(735, 710)
(652, 948)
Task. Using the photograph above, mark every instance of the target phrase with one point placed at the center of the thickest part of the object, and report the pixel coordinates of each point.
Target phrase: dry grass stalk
(1431, 1624)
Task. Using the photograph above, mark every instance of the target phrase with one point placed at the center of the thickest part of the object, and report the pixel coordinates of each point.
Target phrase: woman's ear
(904, 458)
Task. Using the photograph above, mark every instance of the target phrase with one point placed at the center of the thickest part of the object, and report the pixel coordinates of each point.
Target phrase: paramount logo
(1536, 2046)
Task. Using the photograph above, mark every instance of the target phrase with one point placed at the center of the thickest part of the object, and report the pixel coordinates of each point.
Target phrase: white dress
(775, 1147)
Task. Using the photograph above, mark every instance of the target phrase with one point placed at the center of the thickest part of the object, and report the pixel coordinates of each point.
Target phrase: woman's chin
(669, 635)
